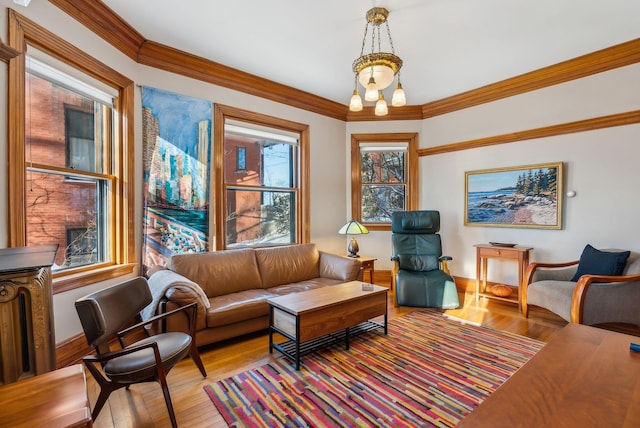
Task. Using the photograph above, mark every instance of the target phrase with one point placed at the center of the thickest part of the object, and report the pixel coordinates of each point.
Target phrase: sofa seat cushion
(553, 295)
(297, 287)
(236, 307)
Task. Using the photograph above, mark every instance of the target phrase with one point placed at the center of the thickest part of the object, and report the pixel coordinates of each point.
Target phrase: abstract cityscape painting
(526, 196)
(176, 155)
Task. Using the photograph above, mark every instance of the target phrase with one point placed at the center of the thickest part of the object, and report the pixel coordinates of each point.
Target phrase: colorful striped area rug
(428, 371)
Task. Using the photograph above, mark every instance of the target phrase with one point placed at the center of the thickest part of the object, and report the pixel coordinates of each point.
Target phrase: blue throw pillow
(596, 262)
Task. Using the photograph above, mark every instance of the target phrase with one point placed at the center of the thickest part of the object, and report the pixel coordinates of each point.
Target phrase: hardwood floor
(143, 405)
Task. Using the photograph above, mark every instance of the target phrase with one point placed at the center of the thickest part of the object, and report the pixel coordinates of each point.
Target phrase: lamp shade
(382, 74)
(353, 228)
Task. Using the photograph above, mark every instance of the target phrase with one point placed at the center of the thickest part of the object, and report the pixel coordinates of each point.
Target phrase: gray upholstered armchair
(420, 275)
(589, 299)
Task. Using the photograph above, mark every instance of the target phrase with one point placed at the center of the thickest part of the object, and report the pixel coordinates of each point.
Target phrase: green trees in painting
(542, 182)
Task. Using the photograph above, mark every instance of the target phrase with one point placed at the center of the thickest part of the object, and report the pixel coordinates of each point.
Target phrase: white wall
(327, 141)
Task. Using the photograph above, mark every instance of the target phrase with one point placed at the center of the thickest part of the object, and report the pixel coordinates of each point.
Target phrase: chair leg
(167, 398)
(106, 388)
(195, 356)
(105, 391)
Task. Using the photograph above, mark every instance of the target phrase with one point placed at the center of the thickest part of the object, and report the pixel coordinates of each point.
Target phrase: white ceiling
(447, 46)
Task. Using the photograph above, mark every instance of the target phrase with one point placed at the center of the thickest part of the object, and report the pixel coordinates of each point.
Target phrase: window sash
(259, 217)
(364, 189)
(78, 201)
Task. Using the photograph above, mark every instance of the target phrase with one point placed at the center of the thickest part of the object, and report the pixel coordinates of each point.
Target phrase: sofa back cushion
(288, 264)
(219, 272)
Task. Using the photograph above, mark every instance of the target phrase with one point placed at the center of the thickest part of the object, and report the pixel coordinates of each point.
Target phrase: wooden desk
(584, 377)
(368, 265)
(54, 399)
(488, 251)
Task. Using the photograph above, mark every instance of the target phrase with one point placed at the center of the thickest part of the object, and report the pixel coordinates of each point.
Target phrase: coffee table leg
(270, 329)
(346, 338)
(385, 323)
(297, 343)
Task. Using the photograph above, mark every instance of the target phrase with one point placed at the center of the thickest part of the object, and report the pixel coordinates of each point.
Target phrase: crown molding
(176, 61)
(596, 62)
(100, 19)
(395, 113)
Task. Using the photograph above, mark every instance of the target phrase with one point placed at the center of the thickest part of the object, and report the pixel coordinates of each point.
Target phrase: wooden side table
(487, 251)
(368, 265)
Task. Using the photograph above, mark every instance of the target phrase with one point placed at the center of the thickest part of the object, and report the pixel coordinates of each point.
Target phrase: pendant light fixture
(377, 70)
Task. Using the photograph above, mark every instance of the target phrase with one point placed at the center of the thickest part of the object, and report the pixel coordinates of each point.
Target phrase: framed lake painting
(527, 196)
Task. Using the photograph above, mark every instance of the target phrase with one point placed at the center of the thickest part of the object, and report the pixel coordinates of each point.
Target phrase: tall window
(384, 177)
(70, 164)
(68, 186)
(261, 187)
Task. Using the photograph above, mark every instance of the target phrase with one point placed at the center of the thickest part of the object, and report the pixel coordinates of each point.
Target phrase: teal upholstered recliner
(420, 274)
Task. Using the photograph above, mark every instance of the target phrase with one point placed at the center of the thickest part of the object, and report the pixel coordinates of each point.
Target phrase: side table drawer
(503, 253)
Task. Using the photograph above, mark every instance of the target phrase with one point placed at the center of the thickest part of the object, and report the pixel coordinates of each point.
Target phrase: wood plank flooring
(143, 405)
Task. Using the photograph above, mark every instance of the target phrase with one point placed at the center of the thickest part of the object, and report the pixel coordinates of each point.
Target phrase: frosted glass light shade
(382, 74)
(381, 107)
(371, 90)
(356, 102)
(399, 99)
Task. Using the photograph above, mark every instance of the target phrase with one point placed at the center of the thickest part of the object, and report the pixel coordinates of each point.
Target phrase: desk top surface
(53, 399)
(585, 376)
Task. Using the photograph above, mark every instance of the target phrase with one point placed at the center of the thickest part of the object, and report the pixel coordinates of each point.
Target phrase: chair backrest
(415, 241)
(105, 312)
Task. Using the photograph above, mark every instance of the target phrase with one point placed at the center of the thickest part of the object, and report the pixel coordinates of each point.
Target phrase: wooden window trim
(356, 173)
(23, 32)
(223, 112)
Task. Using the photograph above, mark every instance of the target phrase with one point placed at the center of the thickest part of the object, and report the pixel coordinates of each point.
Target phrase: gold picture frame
(528, 196)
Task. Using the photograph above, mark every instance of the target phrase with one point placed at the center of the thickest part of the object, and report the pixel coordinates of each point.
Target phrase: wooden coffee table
(324, 315)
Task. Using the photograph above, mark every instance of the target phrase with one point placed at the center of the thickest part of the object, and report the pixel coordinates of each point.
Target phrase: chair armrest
(339, 267)
(532, 269)
(192, 307)
(583, 284)
(535, 266)
(444, 266)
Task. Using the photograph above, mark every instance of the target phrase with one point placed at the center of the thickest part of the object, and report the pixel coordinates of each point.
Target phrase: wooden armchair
(110, 312)
(591, 300)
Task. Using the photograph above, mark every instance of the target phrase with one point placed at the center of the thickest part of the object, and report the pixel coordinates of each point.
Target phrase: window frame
(22, 33)
(302, 214)
(411, 173)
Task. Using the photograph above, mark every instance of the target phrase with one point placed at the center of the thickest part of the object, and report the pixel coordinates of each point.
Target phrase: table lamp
(353, 228)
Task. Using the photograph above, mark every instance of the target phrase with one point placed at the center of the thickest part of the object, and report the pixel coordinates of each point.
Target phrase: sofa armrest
(169, 285)
(183, 296)
(339, 267)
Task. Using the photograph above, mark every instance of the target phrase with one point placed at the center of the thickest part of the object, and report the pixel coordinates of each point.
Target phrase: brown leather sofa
(232, 286)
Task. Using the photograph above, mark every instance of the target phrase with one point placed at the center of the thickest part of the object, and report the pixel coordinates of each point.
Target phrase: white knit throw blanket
(163, 280)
